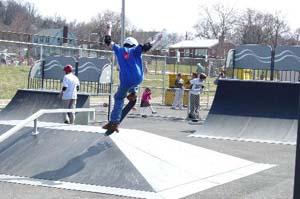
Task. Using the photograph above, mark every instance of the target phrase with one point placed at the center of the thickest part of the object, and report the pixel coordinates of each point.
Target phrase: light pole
(123, 22)
(89, 42)
(92, 33)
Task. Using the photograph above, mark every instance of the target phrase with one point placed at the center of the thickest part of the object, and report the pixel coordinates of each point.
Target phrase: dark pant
(194, 106)
(119, 102)
(69, 104)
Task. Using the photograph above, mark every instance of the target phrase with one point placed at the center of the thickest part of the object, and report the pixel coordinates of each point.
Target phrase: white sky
(174, 15)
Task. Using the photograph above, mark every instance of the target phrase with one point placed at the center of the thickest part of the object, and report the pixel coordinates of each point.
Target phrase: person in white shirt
(69, 93)
(196, 88)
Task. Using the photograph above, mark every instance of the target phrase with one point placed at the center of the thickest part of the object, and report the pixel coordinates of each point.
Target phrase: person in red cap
(69, 93)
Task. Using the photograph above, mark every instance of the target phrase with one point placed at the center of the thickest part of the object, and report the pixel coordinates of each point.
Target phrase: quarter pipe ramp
(253, 110)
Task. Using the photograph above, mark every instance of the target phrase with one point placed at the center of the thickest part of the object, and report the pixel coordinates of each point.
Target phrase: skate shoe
(111, 127)
(106, 126)
(131, 97)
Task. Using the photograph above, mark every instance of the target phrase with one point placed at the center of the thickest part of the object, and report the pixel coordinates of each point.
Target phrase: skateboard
(125, 111)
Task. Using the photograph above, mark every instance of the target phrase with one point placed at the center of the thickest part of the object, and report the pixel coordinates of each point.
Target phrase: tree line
(245, 27)
(23, 17)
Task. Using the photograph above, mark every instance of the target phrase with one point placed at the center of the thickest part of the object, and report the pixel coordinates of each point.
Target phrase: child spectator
(145, 102)
(196, 88)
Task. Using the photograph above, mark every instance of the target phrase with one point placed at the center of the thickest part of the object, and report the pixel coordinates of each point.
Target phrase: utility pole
(123, 22)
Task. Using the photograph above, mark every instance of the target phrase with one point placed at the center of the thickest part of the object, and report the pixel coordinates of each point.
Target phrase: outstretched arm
(147, 46)
(108, 41)
(107, 37)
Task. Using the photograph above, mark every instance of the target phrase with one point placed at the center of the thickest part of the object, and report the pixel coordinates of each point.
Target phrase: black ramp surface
(80, 157)
(253, 110)
(27, 102)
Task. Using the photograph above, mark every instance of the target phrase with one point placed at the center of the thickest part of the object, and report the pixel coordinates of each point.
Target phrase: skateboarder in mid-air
(131, 74)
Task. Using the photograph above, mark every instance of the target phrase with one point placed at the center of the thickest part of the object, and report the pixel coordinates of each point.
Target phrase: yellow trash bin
(169, 97)
(244, 74)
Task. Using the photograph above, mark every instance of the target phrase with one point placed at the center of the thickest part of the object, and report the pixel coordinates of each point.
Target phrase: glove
(107, 40)
(146, 47)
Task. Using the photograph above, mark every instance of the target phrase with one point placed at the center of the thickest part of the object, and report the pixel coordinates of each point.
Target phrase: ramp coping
(36, 115)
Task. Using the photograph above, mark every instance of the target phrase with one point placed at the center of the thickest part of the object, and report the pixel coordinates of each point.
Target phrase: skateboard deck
(125, 111)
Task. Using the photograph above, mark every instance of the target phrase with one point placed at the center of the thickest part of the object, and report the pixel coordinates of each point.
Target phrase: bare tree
(216, 22)
(24, 19)
(98, 24)
(255, 27)
(280, 28)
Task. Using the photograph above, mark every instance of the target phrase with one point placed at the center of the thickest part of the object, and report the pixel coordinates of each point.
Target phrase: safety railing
(38, 114)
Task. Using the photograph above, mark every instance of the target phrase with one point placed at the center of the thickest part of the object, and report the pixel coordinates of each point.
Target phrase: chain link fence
(160, 72)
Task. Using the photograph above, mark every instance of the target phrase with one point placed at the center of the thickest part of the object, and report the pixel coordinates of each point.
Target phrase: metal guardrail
(35, 117)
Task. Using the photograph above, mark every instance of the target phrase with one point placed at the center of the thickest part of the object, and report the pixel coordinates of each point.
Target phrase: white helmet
(131, 41)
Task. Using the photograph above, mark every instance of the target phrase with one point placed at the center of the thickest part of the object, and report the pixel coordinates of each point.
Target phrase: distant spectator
(69, 93)
(177, 56)
(196, 88)
(145, 102)
(200, 69)
(179, 91)
(145, 65)
(221, 75)
(262, 76)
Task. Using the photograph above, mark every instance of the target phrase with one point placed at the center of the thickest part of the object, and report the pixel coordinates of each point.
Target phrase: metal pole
(41, 52)
(297, 159)
(207, 91)
(233, 64)
(164, 83)
(43, 73)
(111, 86)
(272, 64)
(123, 22)
(35, 131)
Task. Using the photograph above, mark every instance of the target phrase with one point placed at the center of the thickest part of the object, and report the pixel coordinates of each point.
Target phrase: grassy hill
(12, 78)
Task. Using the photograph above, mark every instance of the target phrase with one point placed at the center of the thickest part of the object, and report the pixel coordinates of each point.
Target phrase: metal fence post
(111, 86)
(272, 64)
(164, 79)
(76, 67)
(233, 63)
(35, 131)
(41, 52)
(43, 73)
(297, 158)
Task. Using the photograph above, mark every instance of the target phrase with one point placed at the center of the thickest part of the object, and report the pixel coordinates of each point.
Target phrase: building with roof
(54, 37)
(201, 48)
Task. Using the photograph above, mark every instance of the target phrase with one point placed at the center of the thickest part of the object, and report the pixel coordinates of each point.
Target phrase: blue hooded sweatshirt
(131, 65)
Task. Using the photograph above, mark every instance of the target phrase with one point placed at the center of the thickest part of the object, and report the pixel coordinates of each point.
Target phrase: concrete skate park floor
(274, 183)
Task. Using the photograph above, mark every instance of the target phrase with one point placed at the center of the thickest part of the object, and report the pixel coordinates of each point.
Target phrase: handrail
(34, 118)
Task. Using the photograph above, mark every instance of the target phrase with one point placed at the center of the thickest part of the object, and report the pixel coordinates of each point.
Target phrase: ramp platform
(26, 102)
(130, 163)
(253, 111)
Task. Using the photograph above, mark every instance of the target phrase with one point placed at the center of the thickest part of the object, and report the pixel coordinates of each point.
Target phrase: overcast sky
(174, 15)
